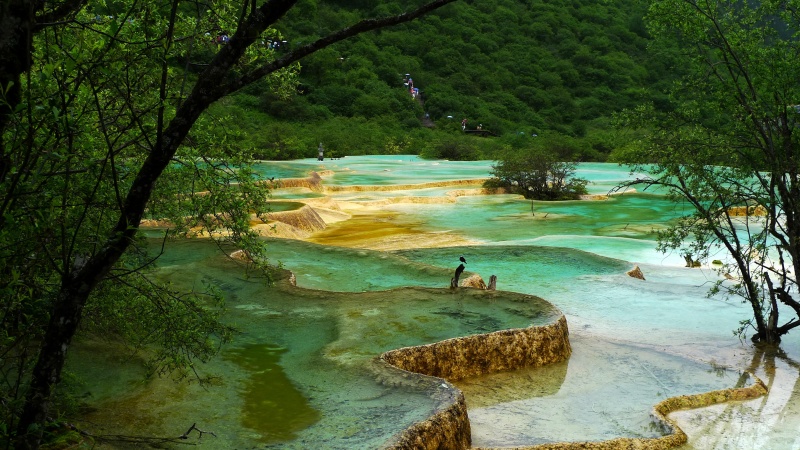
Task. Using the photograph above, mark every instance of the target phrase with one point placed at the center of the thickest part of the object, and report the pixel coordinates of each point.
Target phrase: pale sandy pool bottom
(605, 390)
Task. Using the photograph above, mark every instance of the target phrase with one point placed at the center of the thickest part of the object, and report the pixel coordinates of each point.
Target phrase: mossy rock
(67, 440)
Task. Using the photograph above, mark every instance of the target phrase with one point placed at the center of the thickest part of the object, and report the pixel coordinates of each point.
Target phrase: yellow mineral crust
(480, 354)
(481, 191)
(747, 211)
(313, 182)
(405, 199)
(306, 218)
(473, 281)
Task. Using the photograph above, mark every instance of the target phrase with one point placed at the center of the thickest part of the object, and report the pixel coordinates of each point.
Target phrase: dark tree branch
(63, 11)
(78, 284)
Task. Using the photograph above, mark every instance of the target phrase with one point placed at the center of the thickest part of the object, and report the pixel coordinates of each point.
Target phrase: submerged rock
(636, 272)
(474, 281)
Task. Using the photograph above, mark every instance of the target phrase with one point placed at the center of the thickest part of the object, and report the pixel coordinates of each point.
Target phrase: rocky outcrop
(305, 219)
(447, 429)
(636, 272)
(474, 281)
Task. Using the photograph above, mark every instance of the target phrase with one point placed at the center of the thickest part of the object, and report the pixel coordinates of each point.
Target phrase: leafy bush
(537, 173)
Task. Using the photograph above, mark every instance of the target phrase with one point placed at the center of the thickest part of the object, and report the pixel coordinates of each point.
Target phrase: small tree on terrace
(729, 147)
(538, 174)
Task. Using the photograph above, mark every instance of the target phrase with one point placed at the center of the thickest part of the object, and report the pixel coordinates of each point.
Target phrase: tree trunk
(47, 372)
(768, 332)
(77, 285)
(492, 283)
(17, 20)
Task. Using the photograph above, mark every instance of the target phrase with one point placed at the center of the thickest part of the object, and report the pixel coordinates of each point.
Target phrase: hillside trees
(102, 124)
(536, 67)
(728, 145)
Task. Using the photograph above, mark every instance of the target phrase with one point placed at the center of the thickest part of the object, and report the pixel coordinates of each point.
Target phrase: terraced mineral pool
(509, 218)
(303, 371)
(584, 396)
(300, 375)
(380, 170)
(295, 193)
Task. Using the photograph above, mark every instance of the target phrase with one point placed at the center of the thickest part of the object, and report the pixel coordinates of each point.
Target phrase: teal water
(301, 373)
(380, 170)
(509, 219)
(635, 342)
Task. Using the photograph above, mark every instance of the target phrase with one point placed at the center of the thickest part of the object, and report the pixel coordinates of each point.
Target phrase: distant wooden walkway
(481, 133)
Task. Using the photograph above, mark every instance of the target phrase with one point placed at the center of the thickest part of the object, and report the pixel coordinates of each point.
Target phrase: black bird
(462, 260)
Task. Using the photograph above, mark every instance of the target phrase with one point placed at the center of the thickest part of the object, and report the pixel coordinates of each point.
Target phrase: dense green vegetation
(102, 126)
(538, 174)
(555, 69)
(728, 148)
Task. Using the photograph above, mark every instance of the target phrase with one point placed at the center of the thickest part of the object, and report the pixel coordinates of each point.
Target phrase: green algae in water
(272, 405)
(285, 206)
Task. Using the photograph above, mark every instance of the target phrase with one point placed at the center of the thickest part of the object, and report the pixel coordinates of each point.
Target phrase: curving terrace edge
(457, 358)
(453, 359)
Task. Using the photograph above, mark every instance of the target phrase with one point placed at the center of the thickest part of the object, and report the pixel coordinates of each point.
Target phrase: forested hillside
(543, 70)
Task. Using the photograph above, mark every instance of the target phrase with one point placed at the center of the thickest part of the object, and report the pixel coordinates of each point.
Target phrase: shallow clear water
(635, 342)
(605, 390)
(302, 372)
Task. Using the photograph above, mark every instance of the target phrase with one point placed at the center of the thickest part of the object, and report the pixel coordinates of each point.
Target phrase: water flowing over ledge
(458, 358)
(463, 357)
(467, 356)
(676, 436)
